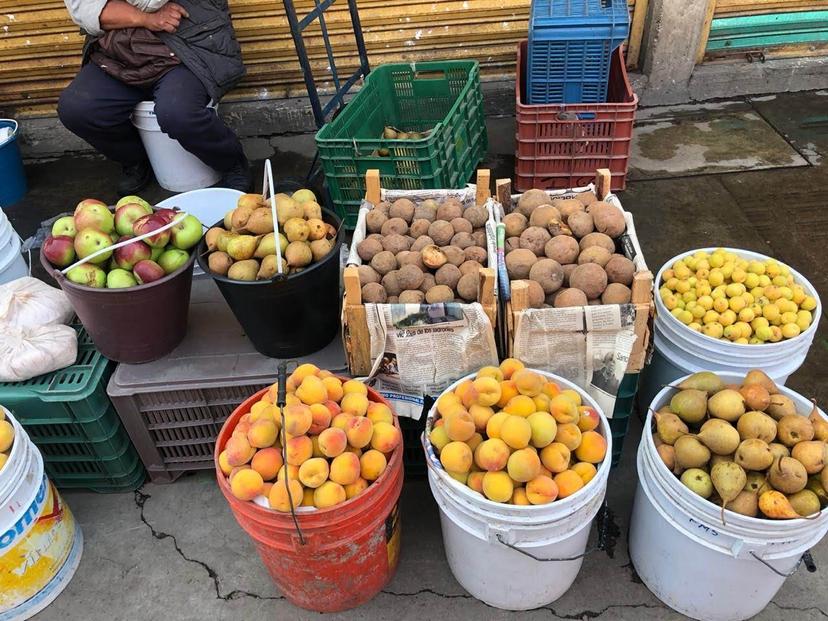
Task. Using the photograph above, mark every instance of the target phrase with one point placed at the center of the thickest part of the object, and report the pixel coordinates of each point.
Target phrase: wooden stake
(705, 34)
(484, 191)
(503, 187)
(373, 194)
(637, 33)
(603, 183)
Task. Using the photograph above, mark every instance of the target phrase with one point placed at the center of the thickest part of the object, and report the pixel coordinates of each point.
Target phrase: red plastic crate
(561, 146)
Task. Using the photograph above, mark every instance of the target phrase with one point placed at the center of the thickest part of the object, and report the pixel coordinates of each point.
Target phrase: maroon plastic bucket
(135, 325)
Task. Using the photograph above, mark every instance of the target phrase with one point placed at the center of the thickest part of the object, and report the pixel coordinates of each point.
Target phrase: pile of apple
(94, 227)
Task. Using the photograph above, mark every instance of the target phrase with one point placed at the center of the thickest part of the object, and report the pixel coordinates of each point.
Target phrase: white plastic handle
(269, 186)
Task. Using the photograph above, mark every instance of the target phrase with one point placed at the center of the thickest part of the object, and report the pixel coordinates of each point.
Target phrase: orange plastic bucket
(351, 550)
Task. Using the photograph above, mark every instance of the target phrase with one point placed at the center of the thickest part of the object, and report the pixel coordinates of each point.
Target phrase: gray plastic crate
(174, 408)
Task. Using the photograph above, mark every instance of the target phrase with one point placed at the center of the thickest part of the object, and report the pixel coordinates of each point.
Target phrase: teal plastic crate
(620, 421)
(441, 96)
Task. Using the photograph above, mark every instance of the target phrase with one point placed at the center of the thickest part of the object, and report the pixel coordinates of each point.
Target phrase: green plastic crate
(620, 421)
(127, 480)
(441, 96)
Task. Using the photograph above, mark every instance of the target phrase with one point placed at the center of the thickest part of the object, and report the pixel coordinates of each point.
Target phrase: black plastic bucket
(288, 316)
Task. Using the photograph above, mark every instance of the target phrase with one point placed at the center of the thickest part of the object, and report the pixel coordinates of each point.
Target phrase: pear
(755, 396)
(706, 381)
(690, 405)
(812, 454)
(242, 247)
(804, 502)
(240, 217)
(757, 483)
(753, 454)
(244, 270)
(253, 201)
(690, 452)
(787, 475)
(389, 133)
(669, 427)
(745, 503)
(780, 406)
(287, 208)
(656, 440)
(228, 219)
(819, 422)
(757, 376)
(756, 424)
(718, 459)
(816, 487)
(776, 506)
(779, 450)
(298, 254)
(719, 436)
(219, 263)
(668, 455)
(729, 480)
(211, 237)
(727, 404)
(224, 238)
(269, 267)
(260, 221)
(794, 428)
(823, 478)
(698, 481)
(320, 248)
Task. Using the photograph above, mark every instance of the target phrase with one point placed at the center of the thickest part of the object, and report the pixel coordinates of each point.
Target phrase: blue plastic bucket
(12, 176)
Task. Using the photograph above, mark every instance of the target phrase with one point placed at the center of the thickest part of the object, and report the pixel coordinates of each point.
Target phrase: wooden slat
(639, 17)
(708, 22)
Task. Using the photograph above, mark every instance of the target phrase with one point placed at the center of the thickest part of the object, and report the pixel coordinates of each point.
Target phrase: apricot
(585, 470)
(519, 497)
(551, 390)
(292, 399)
(345, 469)
(459, 426)
(322, 374)
(508, 390)
(266, 487)
(329, 494)
(307, 496)
(332, 442)
(588, 418)
(555, 457)
(573, 395)
(492, 454)
(333, 386)
(334, 408)
(564, 409)
(474, 441)
(222, 462)
(568, 483)
(267, 462)
(456, 457)
(372, 464)
(569, 435)
(439, 438)
(528, 382)
(321, 418)
(497, 486)
(523, 465)
(354, 404)
(340, 421)
(379, 413)
(359, 431)
(593, 447)
(235, 471)
(352, 449)
(265, 411)
(541, 490)
(541, 403)
(495, 424)
(282, 496)
(292, 473)
(298, 419)
(460, 477)
(447, 402)
(314, 472)
(488, 390)
(263, 433)
(509, 366)
(386, 437)
(516, 432)
(475, 481)
(238, 451)
(247, 484)
(490, 371)
(467, 393)
(317, 452)
(303, 371)
(355, 488)
(480, 415)
(355, 387)
(544, 429)
(520, 406)
(312, 390)
(299, 450)
(242, 428)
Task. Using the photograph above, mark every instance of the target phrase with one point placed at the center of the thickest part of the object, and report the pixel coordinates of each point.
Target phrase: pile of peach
(516, 437)
(336, 441)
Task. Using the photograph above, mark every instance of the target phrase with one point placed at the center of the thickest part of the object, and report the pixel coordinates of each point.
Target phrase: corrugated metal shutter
(40, 47)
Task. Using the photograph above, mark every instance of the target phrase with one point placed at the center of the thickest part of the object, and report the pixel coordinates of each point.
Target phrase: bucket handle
(608, 532)
(805, 558)
(15, 129)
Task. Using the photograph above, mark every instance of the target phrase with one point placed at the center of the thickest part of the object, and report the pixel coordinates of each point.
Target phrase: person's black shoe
(135, 178)
(238, 177)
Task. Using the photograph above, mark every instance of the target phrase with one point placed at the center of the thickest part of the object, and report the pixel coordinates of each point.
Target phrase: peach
(447, 402)
(488, 390)
(551, 389)
(235, 471)
(359, 431)
(238, 451)
(292, 399)
(332, 442)
(474, 441)
(492, 454)
(263, 433)
(543, 427)
(372, 464)
(263, 411)
(569, 435)
(541, 490)
(267, 463)
(292, 473)
(379, 413)
(307, 497)
(314, 472)
(266, 487)
(460, 477)
(585, 470)
(324, 373)
(456, 457)
(572, 395)
(467, 392)
(356, 488)
(266, 398)
(528, 382)
(439, 438)
(354, 403)
(588, 418)
(386, 437)
(352, 449)
(541, 403)
(497, 486)
(333, 385)
(303, 371)
(475, 481)
(519, 497)
(345, 469)
(523, 465)
(340, 421)
(333, 407)
(317, 452)
(520, 406)
(355, 387)
(320, 418)
(222, 462)
(282, 496)
(516, 432)
(593, 447)
(459, 426)
(329, 494)
(245, 418)
(568, 483)
(508, 390)
(298, 419)
(509, 366)
(247, 484)
(299, 450)
(495, 424)
(242, 428)
(312, 390)
(555, 457)
(564, 409)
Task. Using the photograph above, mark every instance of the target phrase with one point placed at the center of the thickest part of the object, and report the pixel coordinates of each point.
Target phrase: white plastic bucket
(694, 563)
(40, 542)
(175, 168)
(476, 532)
(6, 230)
(208, 205)
(12, 263)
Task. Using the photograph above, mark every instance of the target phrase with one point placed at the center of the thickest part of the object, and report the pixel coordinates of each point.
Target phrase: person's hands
(166, 19)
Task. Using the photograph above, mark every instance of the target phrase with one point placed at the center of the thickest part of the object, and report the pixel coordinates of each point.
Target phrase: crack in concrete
(797, 609)
(429, 592)
(594, 614)
(140, 501)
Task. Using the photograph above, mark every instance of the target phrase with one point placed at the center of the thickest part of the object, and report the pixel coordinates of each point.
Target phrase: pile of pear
(745, 447)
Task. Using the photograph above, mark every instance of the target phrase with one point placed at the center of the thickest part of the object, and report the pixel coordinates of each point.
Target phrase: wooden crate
(642, 287)
(355, 335)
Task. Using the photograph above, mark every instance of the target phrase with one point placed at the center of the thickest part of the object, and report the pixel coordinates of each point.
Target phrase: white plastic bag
(30, 302)
(31, 351)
